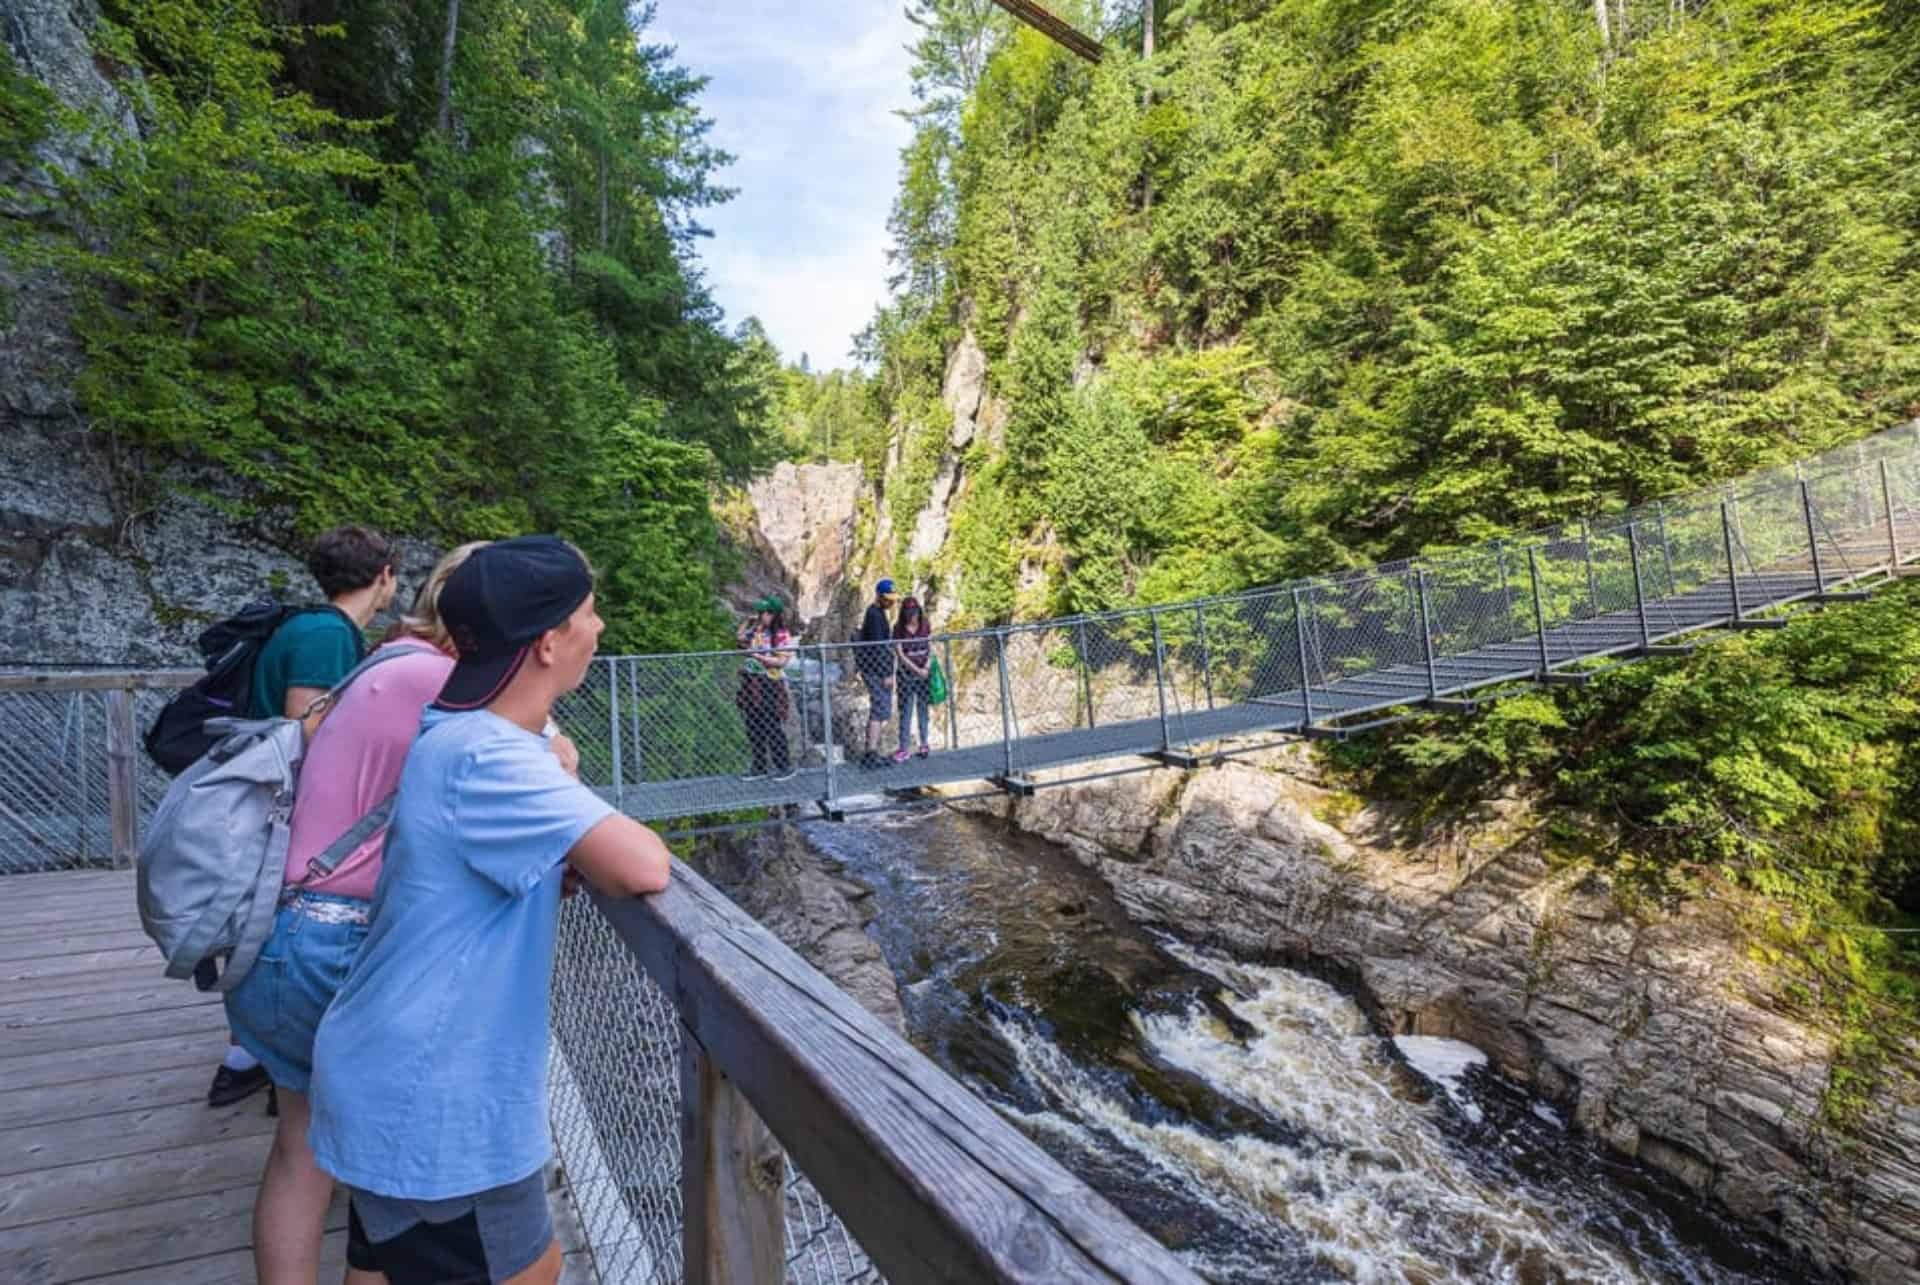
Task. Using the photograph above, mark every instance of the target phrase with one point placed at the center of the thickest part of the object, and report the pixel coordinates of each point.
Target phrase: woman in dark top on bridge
(910, 630)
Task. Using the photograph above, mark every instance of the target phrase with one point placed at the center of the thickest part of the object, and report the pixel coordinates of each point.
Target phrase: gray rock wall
(1654, 1029)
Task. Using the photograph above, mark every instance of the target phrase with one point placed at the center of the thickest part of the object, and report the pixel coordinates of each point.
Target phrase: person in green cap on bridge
(762, 697)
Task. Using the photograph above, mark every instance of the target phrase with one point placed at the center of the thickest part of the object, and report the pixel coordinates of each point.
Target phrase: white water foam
(1445, 1062)
(1375, 1191)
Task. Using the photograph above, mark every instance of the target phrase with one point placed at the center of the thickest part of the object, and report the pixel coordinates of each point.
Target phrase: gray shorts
(489, 1236)
(879, 697)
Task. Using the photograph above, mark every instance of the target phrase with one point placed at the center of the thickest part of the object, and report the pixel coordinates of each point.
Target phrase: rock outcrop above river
(1653, 1027)
(775, 877)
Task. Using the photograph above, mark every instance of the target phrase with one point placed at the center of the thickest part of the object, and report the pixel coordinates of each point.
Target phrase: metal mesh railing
(615, 1092)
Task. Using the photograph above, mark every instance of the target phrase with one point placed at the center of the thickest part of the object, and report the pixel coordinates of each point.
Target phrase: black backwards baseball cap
(504, 596)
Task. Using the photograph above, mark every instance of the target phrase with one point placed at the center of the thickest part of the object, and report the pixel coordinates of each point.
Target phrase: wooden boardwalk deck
(112, 1166)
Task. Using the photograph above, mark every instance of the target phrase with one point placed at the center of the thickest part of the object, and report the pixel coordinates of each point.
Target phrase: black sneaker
(230, 1086)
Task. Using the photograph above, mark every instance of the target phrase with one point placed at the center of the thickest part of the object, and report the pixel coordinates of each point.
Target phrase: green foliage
(458, 325)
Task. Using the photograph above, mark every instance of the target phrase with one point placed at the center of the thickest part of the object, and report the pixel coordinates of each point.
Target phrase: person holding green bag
(910, 631)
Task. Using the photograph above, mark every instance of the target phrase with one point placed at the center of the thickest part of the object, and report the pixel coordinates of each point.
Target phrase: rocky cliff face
(1653, 1028)
(800, 545)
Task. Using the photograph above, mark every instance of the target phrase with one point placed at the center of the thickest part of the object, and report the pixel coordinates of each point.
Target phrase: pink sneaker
(901, 756)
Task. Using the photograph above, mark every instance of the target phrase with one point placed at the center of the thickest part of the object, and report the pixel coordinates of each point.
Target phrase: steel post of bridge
(1086, 671)
(636, 753)
(826, 725)
(1893, 533)
(953, 692)
(1206, 657)
(1006, 705)
(1300, 640)
(1160, 677)
(1586, 551)
(1639, 590)
(1539, 612)
(613, 732)
(1733, 568)
(1426, 633)
(1506, 594)
(1813, 541)
(1666, 547)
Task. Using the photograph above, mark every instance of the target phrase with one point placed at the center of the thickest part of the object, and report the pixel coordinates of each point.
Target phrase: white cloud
(804, 95)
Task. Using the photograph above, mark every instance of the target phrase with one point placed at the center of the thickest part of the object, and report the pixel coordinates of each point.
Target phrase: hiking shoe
(754, 776)
(230, 1086)
(901, 756)
(787, 775)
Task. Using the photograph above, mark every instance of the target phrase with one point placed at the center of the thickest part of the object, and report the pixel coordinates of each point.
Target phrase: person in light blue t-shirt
(429, 1093)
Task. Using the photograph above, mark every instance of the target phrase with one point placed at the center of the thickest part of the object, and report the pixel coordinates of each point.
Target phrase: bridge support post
(613, 732)
(1086, 671)
(1426, 632)
(1506, 593)
(123, 796)
(1813, 541)
(1539, 612)
(826, 724)
(1300, 640)
(1893, 532)
(1639, 589)
(1160, 677)
(1666, 548)
(1206, 657)
(953, 693)
(1733, 568)
(732, 1180)
(1006, 704)
(1586, 551)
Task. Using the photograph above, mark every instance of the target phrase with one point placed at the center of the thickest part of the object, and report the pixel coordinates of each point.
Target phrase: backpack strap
(360, 831)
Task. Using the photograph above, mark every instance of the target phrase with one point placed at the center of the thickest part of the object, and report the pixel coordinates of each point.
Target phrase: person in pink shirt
(351, 768)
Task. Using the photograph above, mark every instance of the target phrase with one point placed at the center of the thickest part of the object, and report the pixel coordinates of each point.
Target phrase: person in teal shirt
(310, 652)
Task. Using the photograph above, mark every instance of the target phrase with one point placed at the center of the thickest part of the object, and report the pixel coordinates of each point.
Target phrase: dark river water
(1249, 1115)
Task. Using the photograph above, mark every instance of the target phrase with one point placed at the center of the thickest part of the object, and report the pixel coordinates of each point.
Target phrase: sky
(803, 93)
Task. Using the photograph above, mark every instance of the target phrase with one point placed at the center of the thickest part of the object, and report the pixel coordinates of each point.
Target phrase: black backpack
(178, 736)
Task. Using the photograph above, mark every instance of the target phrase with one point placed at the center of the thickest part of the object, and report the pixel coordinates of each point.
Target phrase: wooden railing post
(123, 797)
(733, 1179)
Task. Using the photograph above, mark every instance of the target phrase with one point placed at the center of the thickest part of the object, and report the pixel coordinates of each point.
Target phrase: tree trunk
(446, 66)
(1146, 52)
(1606, 24)
(1146, 42)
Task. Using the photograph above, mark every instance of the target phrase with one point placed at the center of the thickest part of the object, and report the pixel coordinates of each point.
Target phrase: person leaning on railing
(762, 695)
(429, 1092)
(351, 768)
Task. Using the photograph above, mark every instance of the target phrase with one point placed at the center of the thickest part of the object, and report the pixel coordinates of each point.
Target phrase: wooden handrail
(930, 1180)
(117, 680)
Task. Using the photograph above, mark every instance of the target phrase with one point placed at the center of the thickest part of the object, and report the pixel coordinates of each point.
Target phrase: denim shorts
(489, 1236)
(275, 1010)
(880, 695)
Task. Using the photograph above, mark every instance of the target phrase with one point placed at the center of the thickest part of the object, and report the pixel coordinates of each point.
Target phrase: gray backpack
(213, 861)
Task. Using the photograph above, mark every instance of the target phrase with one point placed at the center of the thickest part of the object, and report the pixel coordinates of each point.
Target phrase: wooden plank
(109, 1001)
(91, 961)
(934, 1184)
(234, 1267)
(103, 983)
(200, 1048)
(732, 1180)
(77, 1099)
(99, 681)
(148, 1236)
(72, 1191)
(131, 1133)
(62, 879)
(105, 1032)
(73, 943)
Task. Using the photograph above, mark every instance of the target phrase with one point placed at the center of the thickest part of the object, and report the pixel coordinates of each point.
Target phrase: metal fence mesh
(615, 1093)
